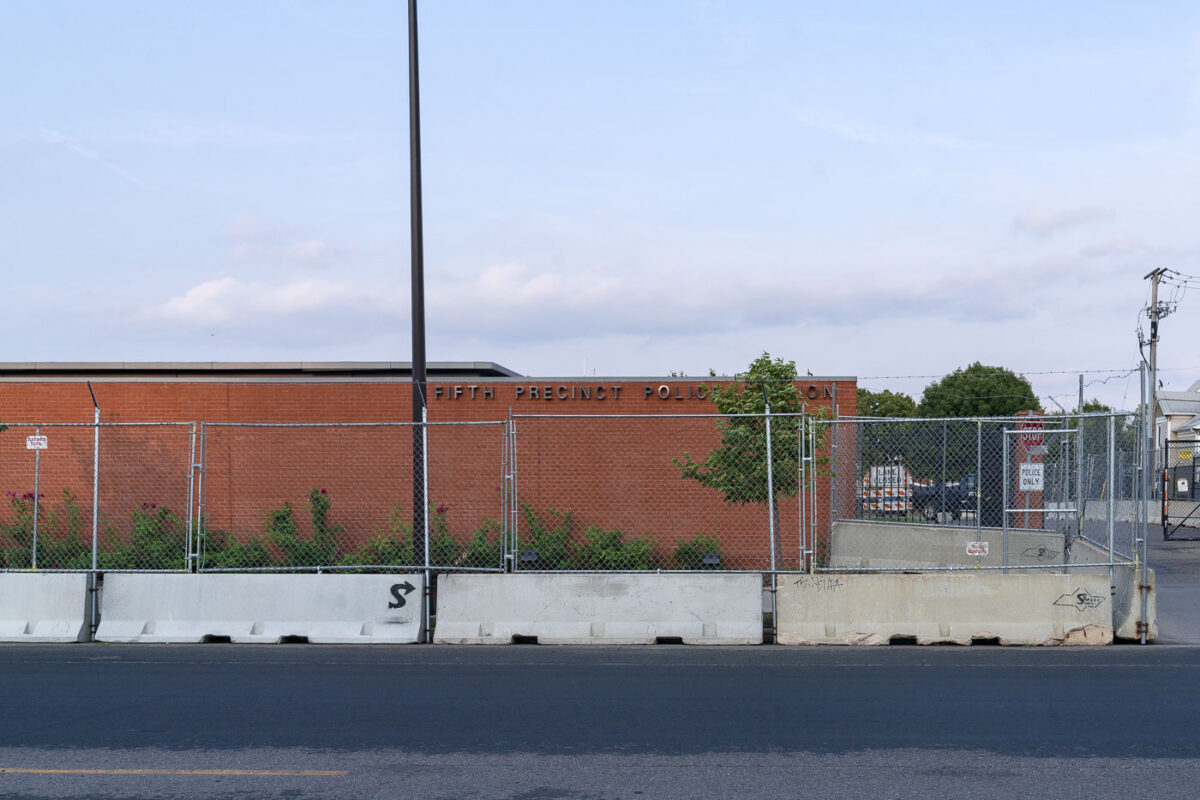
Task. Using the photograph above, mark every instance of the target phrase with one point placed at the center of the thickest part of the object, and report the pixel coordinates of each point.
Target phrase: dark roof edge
(114, 368)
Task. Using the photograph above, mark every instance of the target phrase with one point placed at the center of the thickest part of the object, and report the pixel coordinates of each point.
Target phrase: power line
(1112, 376)
(1002, 369)
(1174, 275)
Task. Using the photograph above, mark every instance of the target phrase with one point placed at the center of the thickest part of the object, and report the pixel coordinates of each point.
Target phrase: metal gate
(1041, 488)
(1179, 491)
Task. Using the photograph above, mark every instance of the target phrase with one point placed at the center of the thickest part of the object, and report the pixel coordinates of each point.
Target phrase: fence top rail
(493, 422)
(791, 415)
(974, 567)
(1044, 418)
(93, 424)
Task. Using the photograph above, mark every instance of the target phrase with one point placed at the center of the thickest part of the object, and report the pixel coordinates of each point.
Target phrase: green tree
(738, 467)
(1094, 431)
(885, 404)
(978, 391)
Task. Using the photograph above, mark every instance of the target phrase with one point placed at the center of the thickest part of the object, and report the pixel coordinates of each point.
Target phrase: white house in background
(1178, 416)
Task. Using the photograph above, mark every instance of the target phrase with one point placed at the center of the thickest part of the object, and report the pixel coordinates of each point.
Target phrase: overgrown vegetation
(610, 550)
(156, 539)
(60, 540)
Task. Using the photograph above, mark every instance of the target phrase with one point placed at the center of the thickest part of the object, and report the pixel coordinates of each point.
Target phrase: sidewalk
(1177, 570)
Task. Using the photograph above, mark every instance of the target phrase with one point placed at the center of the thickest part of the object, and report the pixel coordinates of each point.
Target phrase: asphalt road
(538, 723)
(597, 722)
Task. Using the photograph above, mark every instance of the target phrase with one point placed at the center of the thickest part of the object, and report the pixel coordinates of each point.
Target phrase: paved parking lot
(1177, 569)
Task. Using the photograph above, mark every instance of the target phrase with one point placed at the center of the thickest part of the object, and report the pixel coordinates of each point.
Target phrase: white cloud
(512, 303)
(229, 300)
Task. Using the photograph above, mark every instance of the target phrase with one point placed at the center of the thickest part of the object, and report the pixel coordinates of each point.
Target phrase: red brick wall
(318, 400)
(609, 472)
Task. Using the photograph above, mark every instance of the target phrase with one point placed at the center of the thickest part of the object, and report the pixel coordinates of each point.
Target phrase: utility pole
(1156, 313)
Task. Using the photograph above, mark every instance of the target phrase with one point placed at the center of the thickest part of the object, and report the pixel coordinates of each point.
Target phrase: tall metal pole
(37, 465)
(1004, 501)
(1154, 277)
(802, 465)
(418, 293)
(978, 480)
(771, 509)
(770, 474)
(1112, 495)
(1080, 500)
(93, 576)
(1147, 453)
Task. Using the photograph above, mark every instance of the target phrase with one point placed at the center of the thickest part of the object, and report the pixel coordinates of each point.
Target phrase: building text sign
(36, 442)
(597, 391)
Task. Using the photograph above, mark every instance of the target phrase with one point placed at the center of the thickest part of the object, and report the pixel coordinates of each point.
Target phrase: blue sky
(624, 188)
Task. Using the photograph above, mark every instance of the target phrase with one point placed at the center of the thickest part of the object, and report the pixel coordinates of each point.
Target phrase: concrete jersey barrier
(44, 607)
(1127, 604)
(857, 544)
(934, 608)
(619, 608)
(324, 609)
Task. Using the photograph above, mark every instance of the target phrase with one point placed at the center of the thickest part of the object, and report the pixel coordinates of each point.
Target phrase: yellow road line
(305, 773)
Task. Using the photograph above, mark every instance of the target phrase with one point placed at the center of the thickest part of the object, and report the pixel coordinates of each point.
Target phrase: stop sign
(1031, 433)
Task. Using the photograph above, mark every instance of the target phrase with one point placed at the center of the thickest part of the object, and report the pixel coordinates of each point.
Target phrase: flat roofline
(110, 368)
(436, 370)
(662, 378)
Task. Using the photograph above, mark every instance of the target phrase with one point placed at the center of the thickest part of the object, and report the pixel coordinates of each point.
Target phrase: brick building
(601, 448)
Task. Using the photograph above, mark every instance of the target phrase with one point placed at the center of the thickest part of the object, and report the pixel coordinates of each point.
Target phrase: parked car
(953, 497)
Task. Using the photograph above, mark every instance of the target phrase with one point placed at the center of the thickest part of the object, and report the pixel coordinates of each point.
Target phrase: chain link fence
(1025, 492)
(316, 497)
(70, 505)
(1179, 490)
(662, 492)
(785, 492)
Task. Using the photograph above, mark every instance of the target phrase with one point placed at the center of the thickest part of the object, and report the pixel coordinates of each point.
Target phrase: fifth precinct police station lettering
(597, 391)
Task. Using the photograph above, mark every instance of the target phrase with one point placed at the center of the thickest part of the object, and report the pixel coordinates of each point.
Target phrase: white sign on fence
(36, 442)
(977, 548)
(1032, 477)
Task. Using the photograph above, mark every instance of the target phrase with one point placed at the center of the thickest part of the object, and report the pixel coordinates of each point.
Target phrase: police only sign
(1032, 477)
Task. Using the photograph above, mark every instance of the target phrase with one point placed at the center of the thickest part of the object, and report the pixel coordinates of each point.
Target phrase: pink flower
(322, 491)
(441, 509)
